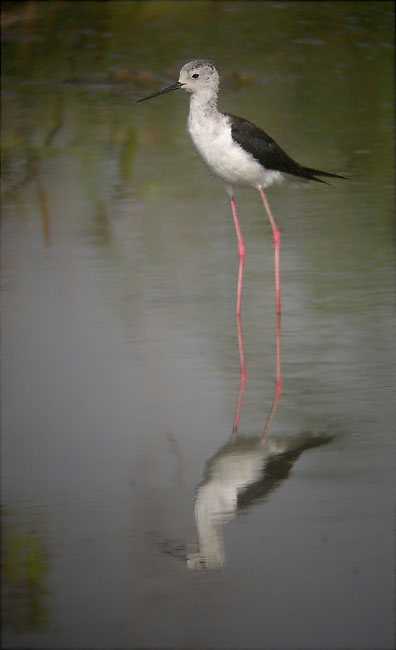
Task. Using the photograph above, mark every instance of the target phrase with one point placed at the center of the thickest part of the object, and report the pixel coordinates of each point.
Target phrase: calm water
(120, 364)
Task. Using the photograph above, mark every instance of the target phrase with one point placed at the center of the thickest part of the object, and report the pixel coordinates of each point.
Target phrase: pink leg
(242, 254)
(243, 375)
(277, 240)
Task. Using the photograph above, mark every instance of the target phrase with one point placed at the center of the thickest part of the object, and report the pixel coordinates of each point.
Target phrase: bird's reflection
(240, 473)
(244, 470)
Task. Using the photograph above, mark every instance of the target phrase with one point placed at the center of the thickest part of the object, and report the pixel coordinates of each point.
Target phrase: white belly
(225, 157)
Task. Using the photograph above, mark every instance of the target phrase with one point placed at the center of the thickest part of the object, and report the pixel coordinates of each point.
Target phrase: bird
(242, 155)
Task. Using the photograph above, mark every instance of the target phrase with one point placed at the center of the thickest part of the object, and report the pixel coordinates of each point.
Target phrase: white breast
(211, 135)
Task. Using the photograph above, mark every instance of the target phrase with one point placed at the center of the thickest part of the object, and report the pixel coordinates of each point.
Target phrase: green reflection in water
(25, 572)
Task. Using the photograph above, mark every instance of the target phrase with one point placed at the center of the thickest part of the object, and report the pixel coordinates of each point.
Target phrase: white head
(198, 76)
(195, 77)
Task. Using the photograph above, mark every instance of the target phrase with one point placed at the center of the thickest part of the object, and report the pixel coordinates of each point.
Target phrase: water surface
(120, 365)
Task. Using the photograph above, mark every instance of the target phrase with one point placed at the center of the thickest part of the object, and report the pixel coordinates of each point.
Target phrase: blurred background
(120, 363)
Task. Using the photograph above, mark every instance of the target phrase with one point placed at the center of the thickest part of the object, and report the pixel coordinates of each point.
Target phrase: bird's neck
(204, 103)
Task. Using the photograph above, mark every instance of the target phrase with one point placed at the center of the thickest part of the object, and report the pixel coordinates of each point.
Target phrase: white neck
(204, 101)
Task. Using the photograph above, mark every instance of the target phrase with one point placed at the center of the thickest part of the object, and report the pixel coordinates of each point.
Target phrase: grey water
(120, 364)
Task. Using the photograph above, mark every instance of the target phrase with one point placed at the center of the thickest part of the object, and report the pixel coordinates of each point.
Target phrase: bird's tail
(312, 173)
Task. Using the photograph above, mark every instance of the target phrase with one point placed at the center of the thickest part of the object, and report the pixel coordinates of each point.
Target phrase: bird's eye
(195, 76)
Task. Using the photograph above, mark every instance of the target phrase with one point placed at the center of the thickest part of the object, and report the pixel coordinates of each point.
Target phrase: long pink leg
(241, 252)
(279, 386)
(243, 376)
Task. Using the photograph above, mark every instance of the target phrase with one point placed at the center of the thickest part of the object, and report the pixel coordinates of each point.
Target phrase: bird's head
(199, 75)
(195, 76)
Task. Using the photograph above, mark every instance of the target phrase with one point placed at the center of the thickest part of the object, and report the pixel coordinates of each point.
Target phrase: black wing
(269, 154)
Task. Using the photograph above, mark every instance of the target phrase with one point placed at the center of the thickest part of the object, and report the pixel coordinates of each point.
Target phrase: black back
(269, 154)
(262, 147)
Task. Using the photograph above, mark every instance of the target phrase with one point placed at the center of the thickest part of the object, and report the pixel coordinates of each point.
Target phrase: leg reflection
(243, 378)
(243, 375)
(278, 382)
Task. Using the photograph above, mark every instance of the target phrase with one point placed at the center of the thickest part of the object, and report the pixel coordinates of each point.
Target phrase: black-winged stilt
(242, 155)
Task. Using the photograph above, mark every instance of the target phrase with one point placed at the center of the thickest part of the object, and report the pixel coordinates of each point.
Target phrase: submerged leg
(277, 240)
(241, 252)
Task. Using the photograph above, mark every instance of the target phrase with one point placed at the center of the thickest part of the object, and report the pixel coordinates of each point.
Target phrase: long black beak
(168, 89)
